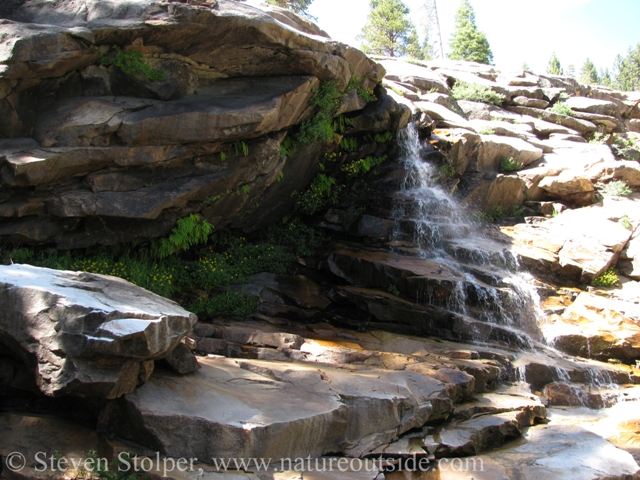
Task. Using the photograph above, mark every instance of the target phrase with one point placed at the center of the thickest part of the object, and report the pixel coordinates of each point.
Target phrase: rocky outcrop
(95, 153)
(85, 334)
(524, 127)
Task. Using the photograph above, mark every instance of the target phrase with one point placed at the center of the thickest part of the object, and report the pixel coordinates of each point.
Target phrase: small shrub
(598, 138)
(394, 290)
(189, 231)
(562, 109)
(446, 170)
(297, 236)
(362, 166)
(132, 63)
(608, 278)
(16, 255)
(498, 212)
(626, 222)
(509, 165)
(365, 94)
(320, 128)
(287, 147)
(349, 144)
(487, 131)
(616, 188)
(230, 303)
(476, 93)
(322, 191)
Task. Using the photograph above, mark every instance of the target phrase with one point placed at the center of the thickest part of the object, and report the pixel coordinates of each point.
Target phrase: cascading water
(432, 224)
(430, 218)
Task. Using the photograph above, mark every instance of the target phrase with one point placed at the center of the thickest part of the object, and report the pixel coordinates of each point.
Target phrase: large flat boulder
(582, 126)
(578, 244)
(423, 78)
(86, 334)
(495, 148)
(592, 105)
(233, 109)
(251, 408)
(597, 327)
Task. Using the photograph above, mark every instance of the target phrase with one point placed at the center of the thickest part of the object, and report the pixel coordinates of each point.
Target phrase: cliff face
(120, 118)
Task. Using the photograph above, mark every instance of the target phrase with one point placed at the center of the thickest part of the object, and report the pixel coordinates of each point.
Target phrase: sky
(518, 30)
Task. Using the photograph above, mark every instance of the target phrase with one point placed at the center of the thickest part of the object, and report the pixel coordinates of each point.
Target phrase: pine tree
(298, 6)
(389, 31)
(467, 42)
(554, 67)
(627, 70)
(589, 73)
(605, 78)
(571, 71)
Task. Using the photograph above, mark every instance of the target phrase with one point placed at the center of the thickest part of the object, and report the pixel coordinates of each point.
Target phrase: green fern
(132, 63)
(241, 146)
(189, 231)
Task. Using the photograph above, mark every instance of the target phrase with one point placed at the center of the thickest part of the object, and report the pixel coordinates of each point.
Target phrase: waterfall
(430, 218)
(432, 224)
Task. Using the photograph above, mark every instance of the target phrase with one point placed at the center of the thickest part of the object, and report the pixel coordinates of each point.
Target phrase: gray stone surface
(86, 334)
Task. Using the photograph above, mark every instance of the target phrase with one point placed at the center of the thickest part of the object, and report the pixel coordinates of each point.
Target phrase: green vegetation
(608, 278)
(467, 42)
(509, 165)
(323, 125)
(562, 109)
(322, 191)
(487, 131)
(624, 74)
(589, 73)
(625, 221)
(287, 147)
(616, 188)
(554, 67)
(394, 290)
(361, 166)
(223, 156)
(211, 199)
(598, 138)
(365, 94)
(385, 137)
(132, 63)
(621, 147)
(349, 144)
(626, 70)
(189, 231)
(229, 303)
(446, 170)
(297, 237)
(118, 470)
(475, 93)
(389, 31)
(240, 146)
(498, 212)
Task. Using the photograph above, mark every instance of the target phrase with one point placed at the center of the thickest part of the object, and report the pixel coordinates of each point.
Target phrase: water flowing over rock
(412, 333)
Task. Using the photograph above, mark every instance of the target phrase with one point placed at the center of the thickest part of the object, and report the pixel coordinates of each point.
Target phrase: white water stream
(495, 291)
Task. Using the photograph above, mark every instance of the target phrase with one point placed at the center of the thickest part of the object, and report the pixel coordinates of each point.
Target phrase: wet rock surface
(412, 335)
